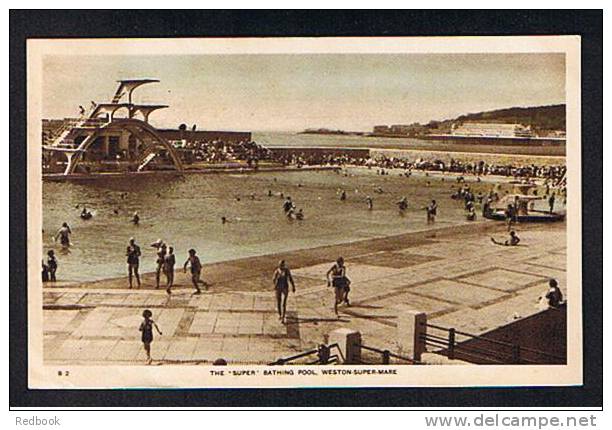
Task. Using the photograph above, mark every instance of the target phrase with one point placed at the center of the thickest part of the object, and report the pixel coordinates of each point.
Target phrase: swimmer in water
(51, 265)
(370, 202)
(343, 195)
(64, 234)
(432, 211)
(223, 220)
(288, 205)
(402, 204)
(135, 218)
(299, 215)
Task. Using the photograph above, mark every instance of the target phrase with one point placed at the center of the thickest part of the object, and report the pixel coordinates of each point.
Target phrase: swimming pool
(186, 213)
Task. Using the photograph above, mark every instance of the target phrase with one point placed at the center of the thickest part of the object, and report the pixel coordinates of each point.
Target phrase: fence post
(411, 331)
(451, 344)
(349, 344)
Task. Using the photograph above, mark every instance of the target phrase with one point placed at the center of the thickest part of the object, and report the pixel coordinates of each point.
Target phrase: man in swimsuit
(64, 235)
(161, 254)
(135, 218)
(370, 202)
(133, 260)
(340, 283)
(196, 268)
(169, 262)
(281, 280)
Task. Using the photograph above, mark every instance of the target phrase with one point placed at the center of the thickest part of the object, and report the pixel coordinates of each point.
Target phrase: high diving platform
(113, 136)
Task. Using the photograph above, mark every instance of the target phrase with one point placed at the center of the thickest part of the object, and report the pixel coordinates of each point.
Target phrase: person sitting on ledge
(512, 241)
(554, 294)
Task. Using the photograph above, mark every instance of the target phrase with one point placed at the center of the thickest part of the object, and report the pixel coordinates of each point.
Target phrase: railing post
(411, 332)
(349, 344)
(386, 357)
(451, 344)
(516, 354)
(323, 353)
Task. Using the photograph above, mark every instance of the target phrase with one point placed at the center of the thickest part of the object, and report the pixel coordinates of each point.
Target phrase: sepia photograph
(304, 212)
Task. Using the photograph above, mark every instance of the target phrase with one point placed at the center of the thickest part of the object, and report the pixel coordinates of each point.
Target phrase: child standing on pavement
(146, 327)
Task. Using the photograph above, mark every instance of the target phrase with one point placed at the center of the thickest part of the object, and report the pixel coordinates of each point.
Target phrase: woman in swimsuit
(340, 283)
(281, 280)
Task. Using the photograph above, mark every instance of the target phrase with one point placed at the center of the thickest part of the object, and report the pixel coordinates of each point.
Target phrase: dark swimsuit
(147, 331)
(282, 281)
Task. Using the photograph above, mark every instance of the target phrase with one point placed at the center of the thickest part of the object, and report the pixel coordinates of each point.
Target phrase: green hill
(539, 118)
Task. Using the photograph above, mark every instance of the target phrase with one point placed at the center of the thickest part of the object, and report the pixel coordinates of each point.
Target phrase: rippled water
(186, 212)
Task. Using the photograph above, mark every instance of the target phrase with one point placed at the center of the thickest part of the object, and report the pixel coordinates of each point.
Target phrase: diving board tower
(113, 136)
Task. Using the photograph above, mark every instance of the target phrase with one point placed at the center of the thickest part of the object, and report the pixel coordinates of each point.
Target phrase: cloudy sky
(294, 92)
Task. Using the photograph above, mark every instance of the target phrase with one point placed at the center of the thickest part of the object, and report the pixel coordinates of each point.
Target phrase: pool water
(186, 213)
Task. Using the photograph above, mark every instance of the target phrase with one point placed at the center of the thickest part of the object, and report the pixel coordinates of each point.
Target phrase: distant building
(491, 129)
(381, 129)
(401, 129)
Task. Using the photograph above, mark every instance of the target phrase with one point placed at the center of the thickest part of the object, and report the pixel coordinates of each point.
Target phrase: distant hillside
(539, 118)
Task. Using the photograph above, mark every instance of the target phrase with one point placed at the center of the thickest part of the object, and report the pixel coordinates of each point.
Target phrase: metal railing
(498, 352)
(323, 353)
(386, 355)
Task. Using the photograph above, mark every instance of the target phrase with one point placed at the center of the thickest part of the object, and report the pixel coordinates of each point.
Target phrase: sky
(292, 92)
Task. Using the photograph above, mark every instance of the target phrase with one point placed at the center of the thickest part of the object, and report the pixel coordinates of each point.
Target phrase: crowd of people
(218, 151)
(553, 173)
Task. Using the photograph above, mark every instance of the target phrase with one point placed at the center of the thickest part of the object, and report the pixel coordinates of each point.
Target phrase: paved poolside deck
(455, 274)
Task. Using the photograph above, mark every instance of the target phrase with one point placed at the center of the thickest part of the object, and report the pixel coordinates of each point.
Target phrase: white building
(491, 129)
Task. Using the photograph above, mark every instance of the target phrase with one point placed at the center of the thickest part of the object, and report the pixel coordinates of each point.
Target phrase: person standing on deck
(196, 269)
(169, 262)
(340, 283)
(281, 280)
(161, 254)
(551, 203)
(133, 260)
